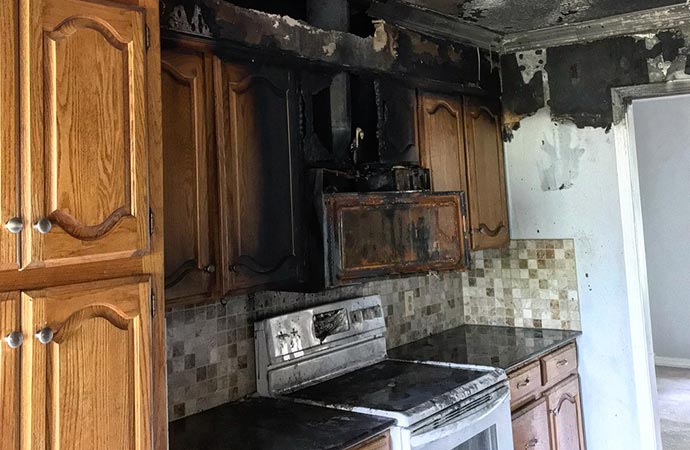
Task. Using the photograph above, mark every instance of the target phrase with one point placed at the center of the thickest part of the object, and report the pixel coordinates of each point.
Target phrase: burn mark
(580, 76)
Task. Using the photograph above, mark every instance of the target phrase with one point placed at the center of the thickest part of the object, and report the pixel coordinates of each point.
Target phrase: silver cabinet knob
(14, 339)
(44, 335)
(14, 225)
(43, 225)
(210, 269)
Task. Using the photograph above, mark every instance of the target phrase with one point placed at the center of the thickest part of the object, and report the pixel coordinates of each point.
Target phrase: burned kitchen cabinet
(189, 176)
(260, 176)
(383, 234)
(397, 122)
(325, 119)
(461, 144)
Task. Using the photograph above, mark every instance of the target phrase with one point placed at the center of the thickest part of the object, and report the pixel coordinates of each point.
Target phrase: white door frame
(634, 251)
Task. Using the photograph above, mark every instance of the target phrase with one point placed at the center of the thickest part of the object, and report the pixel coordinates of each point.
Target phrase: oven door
(482, 423)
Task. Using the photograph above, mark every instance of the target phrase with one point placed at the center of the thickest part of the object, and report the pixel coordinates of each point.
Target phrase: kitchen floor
(674, 407)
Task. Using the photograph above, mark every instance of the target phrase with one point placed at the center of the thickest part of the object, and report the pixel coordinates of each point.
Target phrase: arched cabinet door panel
(259, 175)
(10, 352)
(10, 216)
(442, 147)
(87, 361)
(486, 177)
(189, 181)
(84, 133)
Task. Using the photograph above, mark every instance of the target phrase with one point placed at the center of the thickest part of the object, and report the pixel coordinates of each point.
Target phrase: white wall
(662, 137)
(562, 183)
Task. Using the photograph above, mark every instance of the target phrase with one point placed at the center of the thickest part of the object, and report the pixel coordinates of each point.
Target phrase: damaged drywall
(576, 80)
(389, 50)
(559, 165)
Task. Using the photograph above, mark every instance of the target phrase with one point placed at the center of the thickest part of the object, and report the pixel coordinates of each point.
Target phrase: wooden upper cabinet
(188, 144)
(9, 370)
(9, 155)
(84, 133)
(565, 412)
(259, 175)
(442, 142)
(89, 377)
(488, 205)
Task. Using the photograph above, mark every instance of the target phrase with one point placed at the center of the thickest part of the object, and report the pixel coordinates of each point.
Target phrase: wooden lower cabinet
(380, 442)
(531, 427)
(545, 399)
(9, 370)
(565, 413)
(86, 366)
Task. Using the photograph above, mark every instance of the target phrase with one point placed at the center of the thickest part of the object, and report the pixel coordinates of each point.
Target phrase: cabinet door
(486, 177)
(9, 370)
(442, 142)
(190, 265)
(9, 212)
(259, 176)
(531, 427)
(84, 132)
(397, 124)
(90, 372)
(565, 411)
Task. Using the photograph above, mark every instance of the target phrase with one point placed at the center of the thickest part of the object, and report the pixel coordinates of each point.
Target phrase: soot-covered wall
(575, 81)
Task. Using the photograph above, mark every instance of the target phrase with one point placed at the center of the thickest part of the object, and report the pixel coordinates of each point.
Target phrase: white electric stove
(335, 356)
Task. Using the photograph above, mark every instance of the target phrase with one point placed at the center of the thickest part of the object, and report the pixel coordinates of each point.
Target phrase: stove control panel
(290, 335)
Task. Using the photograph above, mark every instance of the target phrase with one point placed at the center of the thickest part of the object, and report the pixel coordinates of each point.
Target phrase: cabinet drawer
(557, 366)
(531, 427)
(525, 383)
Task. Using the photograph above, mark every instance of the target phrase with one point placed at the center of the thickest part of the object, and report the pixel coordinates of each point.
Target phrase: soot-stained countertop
(272, 424)
(507, 348)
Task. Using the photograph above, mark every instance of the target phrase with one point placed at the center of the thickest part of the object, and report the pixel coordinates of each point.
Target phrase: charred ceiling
(510, 16)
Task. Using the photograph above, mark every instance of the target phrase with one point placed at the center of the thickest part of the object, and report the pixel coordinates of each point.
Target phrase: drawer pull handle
(524, 383)
(531, 443)
(565, 398)
(562, 362)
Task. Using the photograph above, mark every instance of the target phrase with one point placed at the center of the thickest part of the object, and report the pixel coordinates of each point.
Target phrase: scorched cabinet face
(84, 180)
(189, 176)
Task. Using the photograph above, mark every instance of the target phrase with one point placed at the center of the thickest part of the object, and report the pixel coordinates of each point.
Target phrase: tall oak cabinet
(82, 356)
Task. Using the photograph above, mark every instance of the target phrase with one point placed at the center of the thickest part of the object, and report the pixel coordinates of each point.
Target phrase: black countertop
(507, 348)
(271, 424)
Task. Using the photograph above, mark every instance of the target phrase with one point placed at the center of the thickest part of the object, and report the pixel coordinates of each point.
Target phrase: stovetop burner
(390, 385)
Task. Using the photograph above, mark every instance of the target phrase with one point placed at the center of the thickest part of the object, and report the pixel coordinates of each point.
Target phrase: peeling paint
(329, 49)
(531, 62)
(560, 162)
(178, 19)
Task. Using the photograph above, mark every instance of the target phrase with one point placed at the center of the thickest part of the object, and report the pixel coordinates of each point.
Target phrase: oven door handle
(483, 411)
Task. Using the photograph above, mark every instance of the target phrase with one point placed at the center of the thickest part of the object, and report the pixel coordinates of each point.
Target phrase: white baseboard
(679, 363)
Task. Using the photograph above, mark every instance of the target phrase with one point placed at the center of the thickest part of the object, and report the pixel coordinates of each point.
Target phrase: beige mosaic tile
(532, 284)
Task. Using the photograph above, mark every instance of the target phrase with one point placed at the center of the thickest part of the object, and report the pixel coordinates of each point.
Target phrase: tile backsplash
(532, 283)
(210, 347)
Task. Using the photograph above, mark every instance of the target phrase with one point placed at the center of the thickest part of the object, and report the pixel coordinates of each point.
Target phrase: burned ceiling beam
(432, 23)
(423, 61)
(663, 18)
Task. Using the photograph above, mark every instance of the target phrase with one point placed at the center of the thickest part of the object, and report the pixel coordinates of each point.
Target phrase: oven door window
(486, 440)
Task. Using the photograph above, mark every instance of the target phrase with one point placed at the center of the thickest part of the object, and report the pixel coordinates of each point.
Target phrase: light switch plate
(409, 303)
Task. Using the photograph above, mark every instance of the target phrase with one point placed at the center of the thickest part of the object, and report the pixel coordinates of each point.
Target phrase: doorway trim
(634, 250)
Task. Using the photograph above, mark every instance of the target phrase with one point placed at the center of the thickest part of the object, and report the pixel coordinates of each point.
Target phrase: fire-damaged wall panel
(575, 81)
